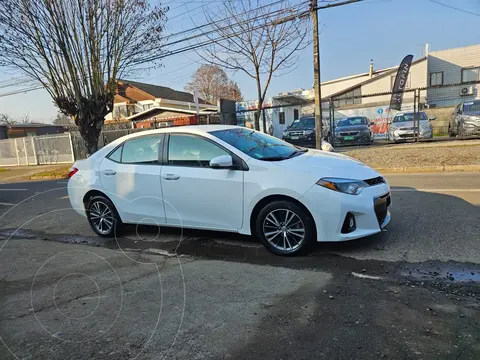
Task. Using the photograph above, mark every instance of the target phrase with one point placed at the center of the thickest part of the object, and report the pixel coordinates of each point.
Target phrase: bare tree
(212, 84)
(63, 119)
(259, 40)
(25, 119)
(78, 48)
(6, 119)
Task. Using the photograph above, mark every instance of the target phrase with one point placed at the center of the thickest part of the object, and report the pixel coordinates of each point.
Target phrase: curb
(423, 169)
(48, 177)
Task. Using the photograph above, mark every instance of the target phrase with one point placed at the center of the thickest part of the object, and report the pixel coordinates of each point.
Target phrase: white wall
(451, 62)
(418, 78)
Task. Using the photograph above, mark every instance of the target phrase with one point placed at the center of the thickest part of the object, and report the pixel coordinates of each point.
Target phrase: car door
(130, 176)
(197, 195)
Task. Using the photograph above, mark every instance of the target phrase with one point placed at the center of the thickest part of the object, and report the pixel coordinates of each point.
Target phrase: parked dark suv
(353, 130)
(301, 132)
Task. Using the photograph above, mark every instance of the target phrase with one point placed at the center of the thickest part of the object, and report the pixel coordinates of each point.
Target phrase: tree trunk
(90, 129)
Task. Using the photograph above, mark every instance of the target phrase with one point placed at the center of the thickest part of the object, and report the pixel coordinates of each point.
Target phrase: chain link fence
(427, 114)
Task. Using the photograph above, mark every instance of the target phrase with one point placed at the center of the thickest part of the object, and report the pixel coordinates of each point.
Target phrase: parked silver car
(465, 119)
(403, 128)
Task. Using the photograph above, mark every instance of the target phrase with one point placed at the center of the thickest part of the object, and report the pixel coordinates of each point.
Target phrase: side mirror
(432, 118)
(221, 162)
(372, 123)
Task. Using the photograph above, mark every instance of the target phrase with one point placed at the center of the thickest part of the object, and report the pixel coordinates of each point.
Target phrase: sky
(351, 35)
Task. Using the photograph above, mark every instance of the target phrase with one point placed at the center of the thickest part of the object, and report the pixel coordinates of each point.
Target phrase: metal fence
(426, 114)
(36, 150)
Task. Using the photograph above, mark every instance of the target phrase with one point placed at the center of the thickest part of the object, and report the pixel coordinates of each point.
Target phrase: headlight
(347, 186)
(285, 134)
(393, 128)
(308, 132)
(468, 125)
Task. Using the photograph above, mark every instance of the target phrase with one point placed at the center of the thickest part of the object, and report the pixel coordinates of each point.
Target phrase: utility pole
(316, 66)
(316, 76)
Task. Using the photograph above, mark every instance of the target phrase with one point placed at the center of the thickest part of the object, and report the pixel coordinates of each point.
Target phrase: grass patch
(2, 169)
(56, 172)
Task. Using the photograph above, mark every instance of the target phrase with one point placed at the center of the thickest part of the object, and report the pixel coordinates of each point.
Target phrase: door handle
(109, 172)
(171, 177)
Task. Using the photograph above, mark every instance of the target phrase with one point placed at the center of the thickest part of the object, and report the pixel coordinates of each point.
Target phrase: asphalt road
(411, 292)
(65, 301)
(434, 217)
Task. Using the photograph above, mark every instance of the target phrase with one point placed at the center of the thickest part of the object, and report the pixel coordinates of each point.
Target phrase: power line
(219, 39)
(455, 8)
(221, 20)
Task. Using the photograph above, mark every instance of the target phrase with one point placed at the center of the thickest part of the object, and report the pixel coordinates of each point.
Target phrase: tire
(282, 212)
(450, 132)
(110, 222)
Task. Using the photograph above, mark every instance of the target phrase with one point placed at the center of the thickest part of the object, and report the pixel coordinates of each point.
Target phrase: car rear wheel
(103, 217)
(285, 228)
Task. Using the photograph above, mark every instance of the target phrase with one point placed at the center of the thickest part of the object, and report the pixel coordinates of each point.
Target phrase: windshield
(308, 123)
(409, 117)
(472, 108)
(258, 145)
(352, 121)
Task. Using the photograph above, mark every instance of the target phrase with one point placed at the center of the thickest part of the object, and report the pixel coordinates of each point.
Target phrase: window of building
(392, 81)
(281, 117)
(147, 106)
(470, 74)
(436, 78)
(193, 151)
(143, 150)
(295, 114)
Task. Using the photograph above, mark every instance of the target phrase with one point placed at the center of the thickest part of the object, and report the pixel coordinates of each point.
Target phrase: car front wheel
(285, 228)
(103, 217)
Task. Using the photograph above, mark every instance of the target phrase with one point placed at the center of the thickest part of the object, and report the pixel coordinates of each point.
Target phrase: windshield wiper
(273, 158)
(296, 153)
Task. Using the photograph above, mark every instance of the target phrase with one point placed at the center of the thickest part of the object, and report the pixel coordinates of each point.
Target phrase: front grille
(407, 128)
(295, 133)
(349, 133)
(381, 208)
(375, 181)
(406, 135)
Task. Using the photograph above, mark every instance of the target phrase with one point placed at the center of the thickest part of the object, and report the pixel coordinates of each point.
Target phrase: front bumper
(470, 129)
(329, 209)
(357, 139)
(307, 141)
(399, 135)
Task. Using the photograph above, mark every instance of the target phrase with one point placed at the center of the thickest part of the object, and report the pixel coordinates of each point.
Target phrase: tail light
(72, 172)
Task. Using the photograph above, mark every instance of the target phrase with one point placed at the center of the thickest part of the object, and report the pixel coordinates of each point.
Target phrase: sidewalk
(23, 173)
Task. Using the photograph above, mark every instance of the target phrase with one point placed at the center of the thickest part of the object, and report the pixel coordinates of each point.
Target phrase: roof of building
(390, 71)
(165, 108)
(33, 125)
(163, 92)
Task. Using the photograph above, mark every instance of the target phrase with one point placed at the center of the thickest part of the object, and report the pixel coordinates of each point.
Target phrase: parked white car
(233, 179)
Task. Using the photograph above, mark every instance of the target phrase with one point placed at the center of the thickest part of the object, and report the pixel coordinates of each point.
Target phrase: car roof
(194, 129)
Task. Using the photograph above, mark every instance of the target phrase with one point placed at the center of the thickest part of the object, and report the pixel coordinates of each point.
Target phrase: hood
(328, 164)
(352, 128)
(299, 129)
(408, 123)
(471, 117)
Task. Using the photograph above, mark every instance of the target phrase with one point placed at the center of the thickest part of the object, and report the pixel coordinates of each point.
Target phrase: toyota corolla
(232, 179)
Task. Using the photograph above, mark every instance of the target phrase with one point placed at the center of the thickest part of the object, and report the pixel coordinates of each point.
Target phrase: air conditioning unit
(467, 90)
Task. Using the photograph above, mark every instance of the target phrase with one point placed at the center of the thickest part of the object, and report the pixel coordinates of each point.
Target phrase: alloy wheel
(284, 230)
(101, 217)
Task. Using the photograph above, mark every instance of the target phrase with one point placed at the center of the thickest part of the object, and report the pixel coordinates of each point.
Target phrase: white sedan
(233, 179)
